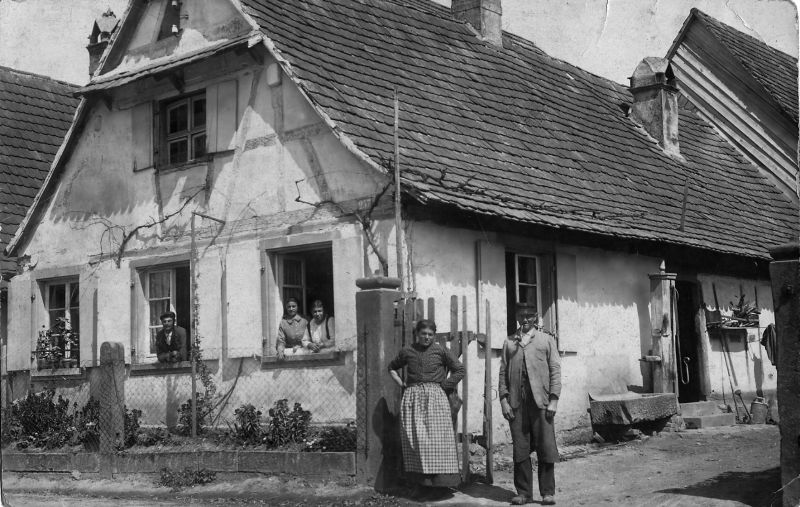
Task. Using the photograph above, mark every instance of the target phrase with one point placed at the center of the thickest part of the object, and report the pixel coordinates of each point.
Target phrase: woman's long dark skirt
(429, 449)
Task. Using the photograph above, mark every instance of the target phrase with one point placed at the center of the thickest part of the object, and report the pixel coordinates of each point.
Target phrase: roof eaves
(157, 67)
(681, 33)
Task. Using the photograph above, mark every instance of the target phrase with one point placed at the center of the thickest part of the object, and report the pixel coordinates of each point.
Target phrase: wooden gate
(410, 310)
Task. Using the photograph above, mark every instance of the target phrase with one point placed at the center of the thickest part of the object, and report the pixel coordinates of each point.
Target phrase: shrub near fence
(156, 410)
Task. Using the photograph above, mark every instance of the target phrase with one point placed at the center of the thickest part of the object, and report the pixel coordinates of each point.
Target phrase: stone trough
(612, 415)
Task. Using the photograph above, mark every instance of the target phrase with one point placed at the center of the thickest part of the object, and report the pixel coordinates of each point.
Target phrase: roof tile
(515, 133)
(35, 114)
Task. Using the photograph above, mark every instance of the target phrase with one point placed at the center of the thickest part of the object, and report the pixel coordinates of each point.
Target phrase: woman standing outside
(429, 452)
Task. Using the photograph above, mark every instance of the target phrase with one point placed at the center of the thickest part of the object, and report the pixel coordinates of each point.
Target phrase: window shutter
(142, 135)
(348, 259)
(209, 293)
(567, 286)
(548, 289)
(88, 317)
(492, 278)
(114, 314)
(221, 119)
(21, 340)
(243, 305)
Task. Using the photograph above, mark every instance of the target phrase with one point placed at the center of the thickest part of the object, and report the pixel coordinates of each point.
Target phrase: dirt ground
(737, 465)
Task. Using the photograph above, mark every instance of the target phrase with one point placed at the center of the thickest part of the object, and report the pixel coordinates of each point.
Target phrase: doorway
(688, 342)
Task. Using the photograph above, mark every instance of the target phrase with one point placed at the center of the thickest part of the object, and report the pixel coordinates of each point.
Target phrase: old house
(262, 132)
(746, 89)
(35, 113)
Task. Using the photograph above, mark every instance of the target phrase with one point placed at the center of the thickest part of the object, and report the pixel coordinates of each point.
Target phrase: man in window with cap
(170, 340)
(530, 384)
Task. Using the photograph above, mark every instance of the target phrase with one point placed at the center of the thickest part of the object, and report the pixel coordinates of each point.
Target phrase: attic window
(184, 129)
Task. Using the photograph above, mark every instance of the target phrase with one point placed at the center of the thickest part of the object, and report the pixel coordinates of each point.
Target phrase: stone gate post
(378, 454)
(784, 272)
(108, 388)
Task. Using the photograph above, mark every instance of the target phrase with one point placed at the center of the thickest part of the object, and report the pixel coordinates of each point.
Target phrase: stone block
(708, 421)
(50, 462)
(262, 461)
(631, 408)
(699, 408)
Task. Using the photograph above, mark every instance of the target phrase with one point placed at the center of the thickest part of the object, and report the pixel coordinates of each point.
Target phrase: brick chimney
(655, 102)
(103, 27)
(485, 16)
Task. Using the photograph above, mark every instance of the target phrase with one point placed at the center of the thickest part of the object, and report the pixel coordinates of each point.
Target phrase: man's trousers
(531, 431)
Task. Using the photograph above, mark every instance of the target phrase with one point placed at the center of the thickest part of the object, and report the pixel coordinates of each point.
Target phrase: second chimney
(485, 16)
(104, 26)
(655, 102)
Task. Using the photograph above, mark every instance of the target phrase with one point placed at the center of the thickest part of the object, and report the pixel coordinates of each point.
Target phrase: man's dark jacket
(178, 343)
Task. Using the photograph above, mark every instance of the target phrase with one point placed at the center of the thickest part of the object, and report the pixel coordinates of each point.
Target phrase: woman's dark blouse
(429, 364)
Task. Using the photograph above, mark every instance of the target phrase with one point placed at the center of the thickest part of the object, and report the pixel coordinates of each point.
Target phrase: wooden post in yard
(455, 341)
(465, 353)
(487, 398)
(397, 207)
(661, 317)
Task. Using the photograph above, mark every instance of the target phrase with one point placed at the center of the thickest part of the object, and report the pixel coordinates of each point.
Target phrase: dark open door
(688, 343)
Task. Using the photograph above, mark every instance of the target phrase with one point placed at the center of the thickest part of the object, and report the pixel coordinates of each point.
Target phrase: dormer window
(184, 129)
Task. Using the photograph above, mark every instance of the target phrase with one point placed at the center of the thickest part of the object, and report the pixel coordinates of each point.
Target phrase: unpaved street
(715, 467)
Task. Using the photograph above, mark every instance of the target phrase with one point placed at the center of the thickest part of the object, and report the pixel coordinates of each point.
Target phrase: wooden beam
(256, 54)
(176, 78)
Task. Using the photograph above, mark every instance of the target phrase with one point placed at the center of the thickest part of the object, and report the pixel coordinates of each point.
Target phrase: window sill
(182, 367)
(331, 358)
(164, 169)
(58, 373)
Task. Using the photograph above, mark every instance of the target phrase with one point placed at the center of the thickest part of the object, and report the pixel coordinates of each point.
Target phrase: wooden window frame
(274, 287)
(282, 285)
(67, 297)
(143, 343)
(537, 285)
(192, 131)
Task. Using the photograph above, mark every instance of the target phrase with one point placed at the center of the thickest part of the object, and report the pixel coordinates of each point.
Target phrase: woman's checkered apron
(427, 431)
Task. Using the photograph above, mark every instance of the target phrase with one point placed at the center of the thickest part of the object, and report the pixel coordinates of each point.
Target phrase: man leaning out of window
(170, 340)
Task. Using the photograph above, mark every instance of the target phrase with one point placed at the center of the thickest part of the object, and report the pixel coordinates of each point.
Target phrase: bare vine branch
(130, 234)
(364, 219)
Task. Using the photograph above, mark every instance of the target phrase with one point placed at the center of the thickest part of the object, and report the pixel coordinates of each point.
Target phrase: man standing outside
(170, 340)
(530, 384)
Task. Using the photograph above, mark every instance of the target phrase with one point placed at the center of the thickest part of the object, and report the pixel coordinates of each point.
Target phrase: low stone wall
(328, 464)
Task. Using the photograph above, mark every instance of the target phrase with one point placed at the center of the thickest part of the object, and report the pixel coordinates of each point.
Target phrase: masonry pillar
(785, 274)
(378, 455)
(662, 325)
(108, 388)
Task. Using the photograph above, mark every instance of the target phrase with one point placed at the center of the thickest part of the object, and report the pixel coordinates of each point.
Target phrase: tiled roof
(774, 70)
(35, 113)
(514, 133)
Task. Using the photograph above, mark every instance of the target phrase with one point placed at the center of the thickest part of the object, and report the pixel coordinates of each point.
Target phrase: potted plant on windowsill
(57, 347)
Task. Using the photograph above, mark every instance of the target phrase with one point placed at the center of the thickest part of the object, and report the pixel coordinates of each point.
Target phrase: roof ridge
(708, 18)
(435, 8)
(555, 58)
(39, 76)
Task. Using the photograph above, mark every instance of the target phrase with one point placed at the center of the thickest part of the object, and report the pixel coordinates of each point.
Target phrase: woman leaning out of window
(292, 331)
